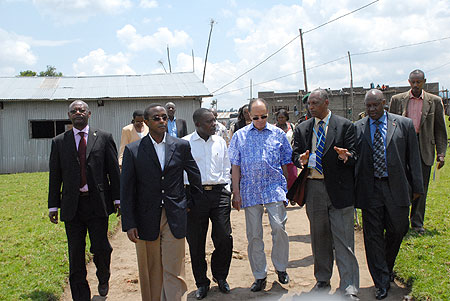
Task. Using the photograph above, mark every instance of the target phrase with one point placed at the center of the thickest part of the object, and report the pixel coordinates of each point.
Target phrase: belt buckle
(208, 187)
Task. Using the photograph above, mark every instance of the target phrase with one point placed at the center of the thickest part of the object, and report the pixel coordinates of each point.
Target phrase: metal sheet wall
(20, 153)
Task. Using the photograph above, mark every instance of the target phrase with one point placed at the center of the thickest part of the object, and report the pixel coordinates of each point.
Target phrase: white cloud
(97, 62)
(157, 41)
(15, 51)
(72, 11)
(148, 3)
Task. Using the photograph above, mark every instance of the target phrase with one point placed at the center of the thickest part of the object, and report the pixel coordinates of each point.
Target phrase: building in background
(33, 110)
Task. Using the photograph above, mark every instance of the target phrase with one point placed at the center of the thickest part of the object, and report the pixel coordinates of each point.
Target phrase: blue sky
(102, 37)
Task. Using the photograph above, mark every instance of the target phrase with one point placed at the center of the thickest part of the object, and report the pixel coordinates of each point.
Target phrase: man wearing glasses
(154, 206)
(259, 153)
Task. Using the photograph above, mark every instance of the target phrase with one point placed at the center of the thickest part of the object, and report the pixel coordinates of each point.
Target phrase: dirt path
(124, 276)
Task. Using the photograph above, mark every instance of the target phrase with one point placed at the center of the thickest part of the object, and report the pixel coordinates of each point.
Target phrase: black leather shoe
(321, 286)
(381, 293)
(223, 285)
(258, 285)
(283, 277)
(103, 289)
(201, 292)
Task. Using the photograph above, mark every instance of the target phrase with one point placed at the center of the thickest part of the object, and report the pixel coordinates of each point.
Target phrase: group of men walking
(171, 188)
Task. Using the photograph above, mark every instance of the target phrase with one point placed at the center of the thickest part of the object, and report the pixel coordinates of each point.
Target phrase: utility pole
(303, 59)
(193, 65)
(168, 59)
(207, 49)
(351, 81)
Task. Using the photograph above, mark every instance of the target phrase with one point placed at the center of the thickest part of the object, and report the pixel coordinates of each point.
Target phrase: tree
(214, 103)
(27, 73)
(51, 71)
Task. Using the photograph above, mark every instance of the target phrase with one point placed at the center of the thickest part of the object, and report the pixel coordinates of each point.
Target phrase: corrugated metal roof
(94, 87)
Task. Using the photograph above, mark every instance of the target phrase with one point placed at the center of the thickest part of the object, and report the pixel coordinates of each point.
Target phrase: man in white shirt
(211, 155)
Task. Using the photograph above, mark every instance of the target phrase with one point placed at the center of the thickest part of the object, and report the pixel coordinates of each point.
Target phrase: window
(48, 128)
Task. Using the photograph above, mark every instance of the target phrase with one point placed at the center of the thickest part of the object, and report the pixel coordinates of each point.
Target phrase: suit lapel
(92, 138)
(366, 131)
(331, 134)
(169, 149)
(391, 126)
(309, 133)
(70, 142)
(150, 150)
(405, 102)
(426, 106)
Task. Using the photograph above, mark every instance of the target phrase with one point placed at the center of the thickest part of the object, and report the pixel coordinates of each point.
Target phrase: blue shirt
(260, 155)
(172, 127)
(383, 130)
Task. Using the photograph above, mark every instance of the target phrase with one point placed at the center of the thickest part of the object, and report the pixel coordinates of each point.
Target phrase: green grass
(33, 251)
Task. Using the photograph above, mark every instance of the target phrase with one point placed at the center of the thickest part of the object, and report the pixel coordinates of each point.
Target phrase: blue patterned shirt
(172, 127)
(260, 155)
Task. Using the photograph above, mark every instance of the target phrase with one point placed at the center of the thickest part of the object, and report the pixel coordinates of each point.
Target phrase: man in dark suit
(386, 171)
(154, 206)
(84, 162)
(427, 113)
(176, 127)
(325, 145)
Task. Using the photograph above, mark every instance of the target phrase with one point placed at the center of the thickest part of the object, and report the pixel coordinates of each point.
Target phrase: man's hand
(133, 235)
(53, 215)
(416, 195)
(117, 209)
(304, 158)
(343, 153)
(237, 201)
(441, 161)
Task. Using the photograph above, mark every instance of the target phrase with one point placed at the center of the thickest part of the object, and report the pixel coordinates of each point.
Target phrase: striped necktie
(320, 145)
(379, 163)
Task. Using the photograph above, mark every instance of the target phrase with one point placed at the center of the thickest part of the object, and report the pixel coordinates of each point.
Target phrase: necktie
(320, 144)
(82, 157)
(379, 163)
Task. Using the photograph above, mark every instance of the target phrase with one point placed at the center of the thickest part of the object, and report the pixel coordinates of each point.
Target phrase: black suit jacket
(144, 187)
(338, 176)
(102, 172)
(403, 161)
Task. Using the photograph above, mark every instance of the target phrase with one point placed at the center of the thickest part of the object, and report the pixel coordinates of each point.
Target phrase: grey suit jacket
(402, 155)
(432, 133)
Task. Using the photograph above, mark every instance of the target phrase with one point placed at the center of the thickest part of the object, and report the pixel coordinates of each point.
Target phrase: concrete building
(340, 101)
(34, 109)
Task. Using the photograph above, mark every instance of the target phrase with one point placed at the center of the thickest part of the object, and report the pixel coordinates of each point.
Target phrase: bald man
(176, 127)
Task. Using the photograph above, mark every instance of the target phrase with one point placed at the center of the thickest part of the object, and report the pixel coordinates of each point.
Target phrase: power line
(285, 45)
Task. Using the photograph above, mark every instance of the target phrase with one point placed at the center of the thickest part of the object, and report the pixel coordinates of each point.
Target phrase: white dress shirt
(211, 157)
(160, 149)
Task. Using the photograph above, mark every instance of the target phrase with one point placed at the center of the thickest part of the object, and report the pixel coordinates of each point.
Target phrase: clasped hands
(343, 154)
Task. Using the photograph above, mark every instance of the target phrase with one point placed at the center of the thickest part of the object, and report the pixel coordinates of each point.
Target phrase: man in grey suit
(427, 113)
(385, 173)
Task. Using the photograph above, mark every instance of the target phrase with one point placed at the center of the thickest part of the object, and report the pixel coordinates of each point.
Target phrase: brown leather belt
(213, 187)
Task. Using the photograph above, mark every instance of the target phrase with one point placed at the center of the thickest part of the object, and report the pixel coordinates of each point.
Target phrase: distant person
(427, 113)
(325, 144)
(243, 119)
(154, 206)
(386, 171)
(282, 122)
(176, 127)
(221, 130)
(211, 155)
(259, 154)
(84, 184)
(132, 132)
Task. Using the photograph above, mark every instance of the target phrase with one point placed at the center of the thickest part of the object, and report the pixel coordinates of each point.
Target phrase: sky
(109, 37)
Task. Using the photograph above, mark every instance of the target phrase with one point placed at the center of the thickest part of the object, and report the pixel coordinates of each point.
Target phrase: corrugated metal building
(34, 109)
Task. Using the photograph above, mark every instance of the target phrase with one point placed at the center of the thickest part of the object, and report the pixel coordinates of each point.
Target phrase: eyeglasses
(74, 111)
(258, 117)
(157, 117)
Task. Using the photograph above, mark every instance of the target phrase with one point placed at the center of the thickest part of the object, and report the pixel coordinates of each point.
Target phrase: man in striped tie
(325, 145)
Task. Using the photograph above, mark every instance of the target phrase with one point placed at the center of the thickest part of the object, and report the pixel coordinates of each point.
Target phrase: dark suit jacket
(338, 175)
(144, 186)
(432, 132)
(181, 128)
(403, 161)
(102, 173)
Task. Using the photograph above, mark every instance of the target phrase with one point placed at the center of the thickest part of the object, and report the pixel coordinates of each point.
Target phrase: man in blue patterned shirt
(259, 153)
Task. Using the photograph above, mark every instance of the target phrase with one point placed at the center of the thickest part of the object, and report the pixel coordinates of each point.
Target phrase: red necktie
(82, 157)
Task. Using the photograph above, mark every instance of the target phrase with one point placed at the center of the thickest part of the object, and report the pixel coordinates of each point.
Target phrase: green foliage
(27, 73)
(33, 251)
(51, 71)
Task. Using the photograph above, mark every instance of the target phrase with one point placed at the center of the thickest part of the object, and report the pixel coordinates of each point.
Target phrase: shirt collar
(154, 142)
(85, 130)
(196, 136)
(317, 120)
(382, 119)
(267, 127)
(412, 96)
(174, 118)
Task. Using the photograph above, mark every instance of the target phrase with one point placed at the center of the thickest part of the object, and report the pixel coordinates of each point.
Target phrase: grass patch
(33, 252)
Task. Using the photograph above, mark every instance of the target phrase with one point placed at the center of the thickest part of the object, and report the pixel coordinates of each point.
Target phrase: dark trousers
(76, 230)
(417, 214)
(384, 227)
(214, 205)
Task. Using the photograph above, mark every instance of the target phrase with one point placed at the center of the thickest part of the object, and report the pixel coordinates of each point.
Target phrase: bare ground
(124, 275)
